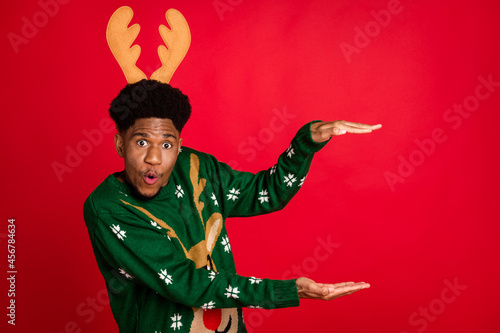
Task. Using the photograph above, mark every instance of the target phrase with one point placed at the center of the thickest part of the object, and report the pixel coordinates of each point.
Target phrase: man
(160, 223)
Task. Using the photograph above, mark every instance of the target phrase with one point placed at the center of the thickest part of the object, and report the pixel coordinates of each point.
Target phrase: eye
(142, 143)
(167, 145)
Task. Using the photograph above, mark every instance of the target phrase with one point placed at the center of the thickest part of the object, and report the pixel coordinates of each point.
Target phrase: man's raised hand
(307, 288)
(322, 131)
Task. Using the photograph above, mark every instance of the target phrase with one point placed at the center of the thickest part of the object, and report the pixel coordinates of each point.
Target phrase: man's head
(149, 99)
(149, 117)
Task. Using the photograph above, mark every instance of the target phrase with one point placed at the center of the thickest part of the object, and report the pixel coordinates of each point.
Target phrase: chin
(144, 196)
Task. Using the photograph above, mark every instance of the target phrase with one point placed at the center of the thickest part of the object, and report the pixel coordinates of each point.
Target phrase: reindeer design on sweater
(211, 320)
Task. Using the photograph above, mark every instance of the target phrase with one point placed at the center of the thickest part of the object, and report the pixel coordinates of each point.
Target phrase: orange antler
(120, 38)
(177, 39)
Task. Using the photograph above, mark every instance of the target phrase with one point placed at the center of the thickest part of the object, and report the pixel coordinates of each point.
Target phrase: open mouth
(151, 178)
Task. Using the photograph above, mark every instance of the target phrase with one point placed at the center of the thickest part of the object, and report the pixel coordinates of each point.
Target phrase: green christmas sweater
(167, 262)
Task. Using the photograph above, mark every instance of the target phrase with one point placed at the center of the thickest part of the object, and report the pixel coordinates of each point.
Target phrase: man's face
(150, 148)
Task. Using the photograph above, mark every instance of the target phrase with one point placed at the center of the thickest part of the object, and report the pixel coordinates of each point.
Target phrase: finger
(359, 125)
(354, 129)
(322, 290)
(350, 288)
(340, 293)
(347, 286)
(357, 284)
(341, 128)
(337, 295)
(318, 289)
(333, 287)
(339, 131)
(341, 284)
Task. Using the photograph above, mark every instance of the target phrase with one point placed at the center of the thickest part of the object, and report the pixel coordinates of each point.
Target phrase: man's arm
(248, 194)
(270, 190)
(152, 258)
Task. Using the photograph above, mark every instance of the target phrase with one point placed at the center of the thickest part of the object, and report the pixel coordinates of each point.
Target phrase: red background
(410, 235)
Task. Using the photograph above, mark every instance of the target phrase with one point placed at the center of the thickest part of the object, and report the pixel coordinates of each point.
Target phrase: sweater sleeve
(153, 259)
(249, 194)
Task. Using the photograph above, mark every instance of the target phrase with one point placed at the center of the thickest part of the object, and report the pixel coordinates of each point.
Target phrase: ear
(180, 145)
(119, 144)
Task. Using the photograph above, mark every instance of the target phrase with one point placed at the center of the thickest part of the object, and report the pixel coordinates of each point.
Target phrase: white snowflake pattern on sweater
(255, 280)
(165, 277)
(290, 179)
(179, 192)
(225, 242)
(212, 275)
(263, 196)
(208, 306)
(233, 194)
(154, 224)
(122, 272)
(176, 319)
(232, 292)
(118, 232)
(290, 152)
(214, 198)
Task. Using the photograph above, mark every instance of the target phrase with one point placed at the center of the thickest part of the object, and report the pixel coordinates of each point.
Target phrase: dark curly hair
(149, 99)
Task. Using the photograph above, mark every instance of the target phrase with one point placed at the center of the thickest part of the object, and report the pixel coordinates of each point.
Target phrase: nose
(153, 156)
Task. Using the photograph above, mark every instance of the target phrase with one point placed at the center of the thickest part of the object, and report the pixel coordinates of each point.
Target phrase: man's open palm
(307, 288)
(322, 131)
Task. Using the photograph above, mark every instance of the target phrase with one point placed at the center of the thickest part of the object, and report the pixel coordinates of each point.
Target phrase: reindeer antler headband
(120, 38)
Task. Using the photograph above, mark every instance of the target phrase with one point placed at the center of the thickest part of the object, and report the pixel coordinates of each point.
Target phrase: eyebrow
(145, 135)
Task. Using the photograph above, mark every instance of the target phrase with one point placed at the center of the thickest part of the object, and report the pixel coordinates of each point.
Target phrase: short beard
(140, 196)
(136, 194)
